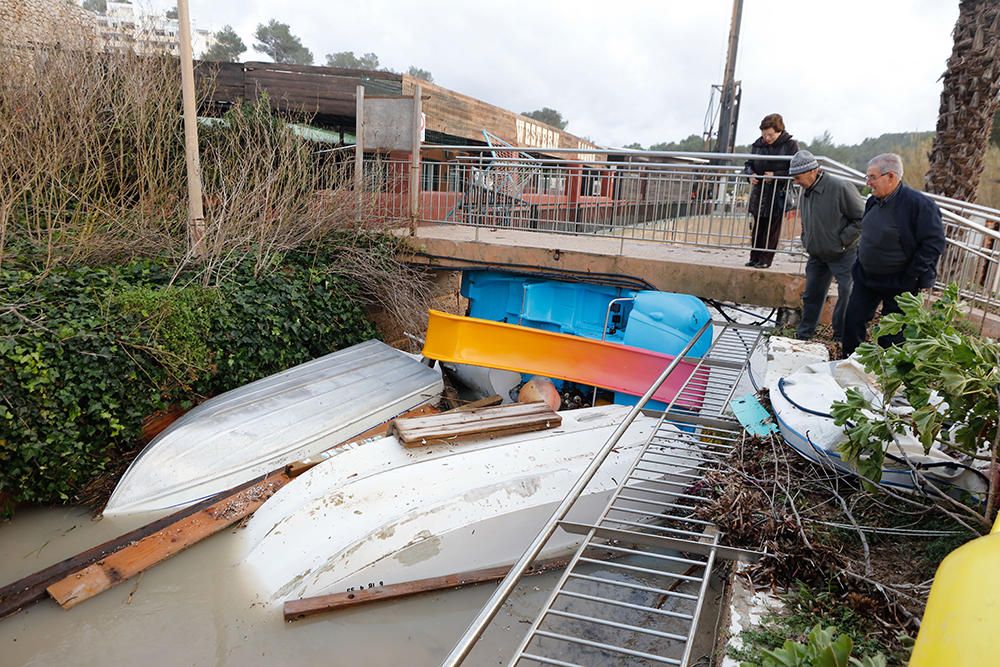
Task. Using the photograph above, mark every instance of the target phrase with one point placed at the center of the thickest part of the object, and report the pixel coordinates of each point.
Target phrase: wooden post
(415, 161)
(196, 216)
(359, 150)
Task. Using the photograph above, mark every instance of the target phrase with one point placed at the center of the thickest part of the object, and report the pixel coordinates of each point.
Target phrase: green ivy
(87, 353)
(172, 324)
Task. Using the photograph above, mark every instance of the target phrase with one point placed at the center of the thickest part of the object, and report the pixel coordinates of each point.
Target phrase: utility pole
(729, 112)
(196, 216)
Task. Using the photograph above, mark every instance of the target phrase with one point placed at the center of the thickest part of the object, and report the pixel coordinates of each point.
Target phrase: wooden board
(27, 590)
(296, 609)
(157, 547)
(504, 419)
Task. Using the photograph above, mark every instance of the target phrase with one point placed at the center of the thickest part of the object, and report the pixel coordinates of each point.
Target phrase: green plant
(820, 650)
(951, 379)
(171, 324)
(87, 353)
(803, 608)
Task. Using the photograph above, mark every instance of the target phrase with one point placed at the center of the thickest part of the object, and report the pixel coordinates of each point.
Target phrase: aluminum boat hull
(255, 429)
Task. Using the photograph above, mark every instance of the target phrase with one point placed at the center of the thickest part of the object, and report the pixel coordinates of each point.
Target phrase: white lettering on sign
(532, 134)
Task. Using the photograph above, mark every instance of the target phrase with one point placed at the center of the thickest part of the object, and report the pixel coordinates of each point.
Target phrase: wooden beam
(296, 609)
(30, 589)
(506, 419)
(161, 545)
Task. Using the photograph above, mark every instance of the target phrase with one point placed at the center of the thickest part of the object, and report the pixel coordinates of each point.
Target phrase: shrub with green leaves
(87, 353)
(951, 379)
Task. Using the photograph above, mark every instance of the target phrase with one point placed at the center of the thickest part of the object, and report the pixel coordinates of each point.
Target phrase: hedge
(86, 354)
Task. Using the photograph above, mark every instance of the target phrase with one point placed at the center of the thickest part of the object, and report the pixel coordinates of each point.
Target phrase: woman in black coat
(767, 199)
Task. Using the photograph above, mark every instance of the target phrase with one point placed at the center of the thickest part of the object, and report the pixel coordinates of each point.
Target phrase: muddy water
(195, 610)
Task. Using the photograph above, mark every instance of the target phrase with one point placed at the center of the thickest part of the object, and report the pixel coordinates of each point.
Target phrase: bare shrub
(93, 155)
(92, 145)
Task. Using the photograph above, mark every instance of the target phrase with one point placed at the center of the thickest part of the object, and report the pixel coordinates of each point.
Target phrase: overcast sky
(642, 70)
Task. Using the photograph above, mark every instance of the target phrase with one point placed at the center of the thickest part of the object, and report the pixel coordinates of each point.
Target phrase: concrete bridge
(709, 273)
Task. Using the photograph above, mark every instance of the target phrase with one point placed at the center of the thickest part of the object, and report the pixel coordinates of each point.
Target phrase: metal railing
(679, 200)
(702, 200)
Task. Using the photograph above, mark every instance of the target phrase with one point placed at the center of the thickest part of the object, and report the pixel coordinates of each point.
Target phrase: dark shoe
(752, 263)
(761, 265)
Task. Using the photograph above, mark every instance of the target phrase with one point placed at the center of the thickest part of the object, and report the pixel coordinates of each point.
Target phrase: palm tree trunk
(965, 119)
(968, 102)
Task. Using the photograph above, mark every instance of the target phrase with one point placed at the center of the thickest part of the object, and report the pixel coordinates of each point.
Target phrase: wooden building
(562, 190)
(327, 94)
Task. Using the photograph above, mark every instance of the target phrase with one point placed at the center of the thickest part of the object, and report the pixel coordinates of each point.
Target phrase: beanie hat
(802, 162)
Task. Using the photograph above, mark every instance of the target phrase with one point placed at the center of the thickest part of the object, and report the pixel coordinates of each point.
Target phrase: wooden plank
(157, 547)
(30, 589)
(506, 419)
(296, 609)
(458, 416)
(492, 428)
(487, 402)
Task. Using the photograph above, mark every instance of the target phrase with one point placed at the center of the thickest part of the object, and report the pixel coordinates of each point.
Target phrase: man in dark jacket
(901, 240)
(767, 198)
(831, 211)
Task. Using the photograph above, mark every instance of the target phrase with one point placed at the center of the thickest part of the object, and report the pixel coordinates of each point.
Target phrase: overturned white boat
(257, 428)
(801, 403)
(382, 514)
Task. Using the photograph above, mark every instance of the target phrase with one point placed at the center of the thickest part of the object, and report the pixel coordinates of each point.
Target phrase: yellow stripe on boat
(630, 370)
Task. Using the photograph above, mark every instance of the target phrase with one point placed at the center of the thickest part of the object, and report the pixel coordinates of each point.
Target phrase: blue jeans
(819, 273)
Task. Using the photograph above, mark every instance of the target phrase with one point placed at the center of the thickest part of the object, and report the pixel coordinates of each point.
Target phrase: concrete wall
(46, 22)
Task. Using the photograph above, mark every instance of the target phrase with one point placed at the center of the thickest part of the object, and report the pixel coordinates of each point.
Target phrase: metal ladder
(657, 584)
(642, 605)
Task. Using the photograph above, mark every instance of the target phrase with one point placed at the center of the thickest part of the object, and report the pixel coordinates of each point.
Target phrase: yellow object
(961, 625)
(631, 370)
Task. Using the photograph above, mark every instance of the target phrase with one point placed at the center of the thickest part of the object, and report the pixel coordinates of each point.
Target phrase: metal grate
(643, 606)
(717, 374)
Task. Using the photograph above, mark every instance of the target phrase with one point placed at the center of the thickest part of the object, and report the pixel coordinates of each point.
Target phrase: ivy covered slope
(87, 353)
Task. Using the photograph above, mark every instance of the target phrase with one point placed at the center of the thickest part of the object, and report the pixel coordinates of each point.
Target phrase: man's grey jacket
(831, 213)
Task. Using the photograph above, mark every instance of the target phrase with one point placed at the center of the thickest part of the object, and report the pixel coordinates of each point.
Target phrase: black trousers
(864, 301)
(766, 234)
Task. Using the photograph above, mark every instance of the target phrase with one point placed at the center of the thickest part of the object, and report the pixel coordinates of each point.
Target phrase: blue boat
(657, 321)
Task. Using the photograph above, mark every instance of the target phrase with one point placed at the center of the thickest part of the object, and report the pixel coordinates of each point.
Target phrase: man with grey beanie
(831, 211)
